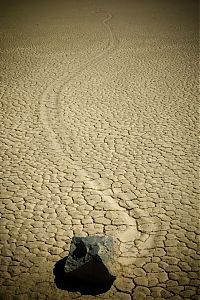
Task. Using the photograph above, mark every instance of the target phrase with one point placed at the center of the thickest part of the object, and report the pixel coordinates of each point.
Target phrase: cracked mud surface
(99, 136)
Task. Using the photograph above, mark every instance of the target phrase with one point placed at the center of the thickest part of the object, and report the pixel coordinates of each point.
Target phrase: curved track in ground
(99, 136)
(52, 115)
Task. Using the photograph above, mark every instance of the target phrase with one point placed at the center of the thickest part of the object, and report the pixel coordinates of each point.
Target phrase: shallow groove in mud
(99, 136)
(58, 138)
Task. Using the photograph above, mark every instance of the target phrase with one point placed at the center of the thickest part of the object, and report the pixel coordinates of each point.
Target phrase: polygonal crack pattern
(99, 136)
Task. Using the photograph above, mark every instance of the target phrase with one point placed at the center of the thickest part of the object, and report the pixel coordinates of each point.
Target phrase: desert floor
(99, 136)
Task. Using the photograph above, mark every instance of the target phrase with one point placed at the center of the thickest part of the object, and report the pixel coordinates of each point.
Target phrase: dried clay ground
(99, 136)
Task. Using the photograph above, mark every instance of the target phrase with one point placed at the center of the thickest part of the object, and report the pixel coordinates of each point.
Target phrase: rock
(91, 261)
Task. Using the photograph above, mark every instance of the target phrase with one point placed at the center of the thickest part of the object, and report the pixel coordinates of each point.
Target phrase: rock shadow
(73, 283)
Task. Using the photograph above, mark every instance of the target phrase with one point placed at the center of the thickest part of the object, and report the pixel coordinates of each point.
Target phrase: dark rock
(91, 261)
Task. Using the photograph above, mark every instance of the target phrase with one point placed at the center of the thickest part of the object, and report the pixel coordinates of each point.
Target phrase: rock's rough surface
(91, 260)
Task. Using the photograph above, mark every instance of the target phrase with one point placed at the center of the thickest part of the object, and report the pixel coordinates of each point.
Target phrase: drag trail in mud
(99, 136)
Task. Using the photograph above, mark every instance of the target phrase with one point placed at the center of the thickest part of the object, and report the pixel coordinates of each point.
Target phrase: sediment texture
(99, 136)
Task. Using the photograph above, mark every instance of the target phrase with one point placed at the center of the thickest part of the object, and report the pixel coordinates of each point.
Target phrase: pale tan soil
(99, 136)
